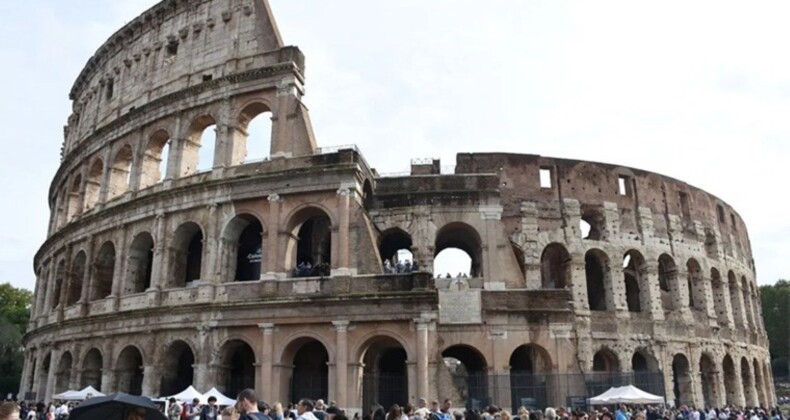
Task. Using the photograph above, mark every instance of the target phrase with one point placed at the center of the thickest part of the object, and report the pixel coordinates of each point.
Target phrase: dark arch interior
(555, 267)
(91, 370)
(465, 238)
(177, 368)
(311, 372)
(596, 292)
(249, 251)
(129, 375)
(314, 245)
(140, 264)
(527, 384)
(104, 271)
(469, 371)
(187, 254)
(385, 380)
(605, 361)
(681, 378)
(60, 274)
(392, 241)
(77, 278)
(240, 369)
(597, 223)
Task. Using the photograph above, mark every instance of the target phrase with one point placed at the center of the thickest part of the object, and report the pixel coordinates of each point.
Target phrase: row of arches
(165, 153)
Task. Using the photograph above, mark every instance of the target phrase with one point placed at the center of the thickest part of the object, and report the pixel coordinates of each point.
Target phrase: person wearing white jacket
(305, 410)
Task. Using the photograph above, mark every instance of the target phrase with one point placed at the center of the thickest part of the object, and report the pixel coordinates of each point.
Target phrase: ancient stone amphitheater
(162, 270)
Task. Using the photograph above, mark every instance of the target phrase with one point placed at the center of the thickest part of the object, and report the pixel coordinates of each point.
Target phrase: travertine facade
(154, 279)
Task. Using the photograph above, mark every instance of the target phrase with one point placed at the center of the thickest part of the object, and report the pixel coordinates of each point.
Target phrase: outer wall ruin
(156, 271)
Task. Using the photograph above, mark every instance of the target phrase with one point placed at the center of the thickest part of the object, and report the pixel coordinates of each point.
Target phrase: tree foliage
(14, 316)
(776, 314)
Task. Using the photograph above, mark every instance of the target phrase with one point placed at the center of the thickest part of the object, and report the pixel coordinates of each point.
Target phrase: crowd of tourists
(249, 407)
(306, 269)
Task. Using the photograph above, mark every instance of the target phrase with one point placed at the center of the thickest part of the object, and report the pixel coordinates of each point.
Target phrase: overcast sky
(698, 91)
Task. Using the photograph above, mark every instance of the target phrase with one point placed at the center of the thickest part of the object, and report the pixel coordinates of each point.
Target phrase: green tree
(776, 314)
(14, 316)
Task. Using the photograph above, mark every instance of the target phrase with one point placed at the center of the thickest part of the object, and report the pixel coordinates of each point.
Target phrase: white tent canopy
(78, 395)
(221, 398)
(628, 394)
(189, 394)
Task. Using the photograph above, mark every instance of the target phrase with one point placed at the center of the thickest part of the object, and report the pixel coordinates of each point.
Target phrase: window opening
(545, 178)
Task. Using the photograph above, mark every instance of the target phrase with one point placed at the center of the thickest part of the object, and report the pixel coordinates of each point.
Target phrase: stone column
(617, 284)
(273, 263)
(76, 371)
(54, 360)
(87, 277)
(656, 309)
(341, 264)
(203, 372)
(422, 326)
(120, 263)
(579, 284)
(150, 380)
(158, 264)
(24, 384)
(341, 363)
(267, 358)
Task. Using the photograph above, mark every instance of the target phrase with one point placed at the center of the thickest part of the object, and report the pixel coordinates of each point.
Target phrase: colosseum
(162, 270)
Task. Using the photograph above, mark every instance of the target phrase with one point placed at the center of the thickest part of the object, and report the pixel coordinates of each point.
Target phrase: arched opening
(139, 264)
(310, 377)
(667, 281)
(711, 244)
(367, 195)
(395, 251)
(177, 368)
(730, 380)
(238, 369)
(313, 243)
(707, 369)
(63, 373)
(635, 277)
(93, 184)
(593, 225)
(452, 238)
(748, 302)
(186, 255)
(696, 285)
(605, 361)
(736, 300)
(468, 369)
(596, 268)
(555, 267)
(384, 376)
(105, 269)
(60, 278)
(748, 383)
(154, 165)
(605, 372)
(256, 120)
(91, 369)
(129, 371)
(197, 154)
(120, 172)
(528, 365)
(521, 260)
(242, 240)
(681, 380)
(73, 208)
(646, 373)
(77, 278)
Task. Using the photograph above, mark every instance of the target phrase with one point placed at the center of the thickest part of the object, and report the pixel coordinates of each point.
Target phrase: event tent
(628, 394)
(221, 398)
(78, 395)
(188, 395)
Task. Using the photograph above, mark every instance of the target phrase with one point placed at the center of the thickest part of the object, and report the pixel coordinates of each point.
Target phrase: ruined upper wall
(174, 45)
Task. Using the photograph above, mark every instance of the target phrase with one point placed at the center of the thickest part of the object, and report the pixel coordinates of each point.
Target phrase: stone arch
(730, 380)
(92, 365)
(681, 380)
(237, 371)
(708, 378)
(596, 221)
(139, 264)
(759, 384)
(464, 237)
(393, 240)
(711, 244)
(46, 364)
(73, 206)
(77, 275)
(93, 183)
(250, 114)
(177, 367)
(368, 198)
(667, 281)
(528, 365)
(469, 370)
(696, 285)
(748, 302)
(311, 240)
(636, 281)
(736, 299)
(719, 296)
(60, 280)
(521, 259)
(598, 274)
(193, 150)
(186, 254)
(63, 373)
(643, 361)
(129, 371)
(154, 162)
(605, 360)
(748, 383)
(384, 373)
(646, 371)
(243, 243)
(104, 267)
(120, 172)
(555, 267)
(308, 376)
